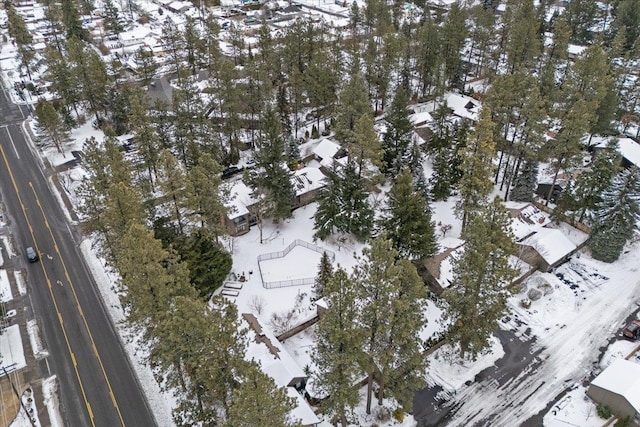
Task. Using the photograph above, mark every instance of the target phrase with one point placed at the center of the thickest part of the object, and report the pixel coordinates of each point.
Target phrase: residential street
(429, 411)
(97, 386)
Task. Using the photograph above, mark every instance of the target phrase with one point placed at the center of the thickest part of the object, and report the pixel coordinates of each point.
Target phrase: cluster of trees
(167, 276)
(371, 327)
(160, 217)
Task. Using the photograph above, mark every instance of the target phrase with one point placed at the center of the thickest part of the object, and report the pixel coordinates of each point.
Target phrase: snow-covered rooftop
(325, 150)
(551, 244)
(527, 218)
(240, 196)
(629, 149)
(621, 377)
(302, 411)
(462, 105)
(307, 179)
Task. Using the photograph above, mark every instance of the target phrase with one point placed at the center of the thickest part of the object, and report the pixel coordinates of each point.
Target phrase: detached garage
(618, 387)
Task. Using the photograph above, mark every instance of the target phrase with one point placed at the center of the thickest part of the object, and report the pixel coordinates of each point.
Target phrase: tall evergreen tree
(525, 183)
(146, 65)
(203, 195)
(581, 16)
(627, 16)
(336, 356)
(408, 220)
(20, 33)
(478, 294)
(396, 142)
(392, 295)
(325, 273)
(342, 205)
(273, 182)
(111, 18)
(72, 22)
(51, 125)
(477, 169)
(594, 181)
(616, 216)
(257, 401)
(172, 182)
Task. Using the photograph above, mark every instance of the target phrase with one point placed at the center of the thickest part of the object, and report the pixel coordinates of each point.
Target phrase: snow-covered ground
(587, 305)
(13, 358)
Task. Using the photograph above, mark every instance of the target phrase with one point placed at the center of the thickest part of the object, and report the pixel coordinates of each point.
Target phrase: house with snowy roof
(241, 202)
(463, 106)
(618, 387)
(238, 199)
(526, 218)
(306, 184)
(326, 152)
(265, 349)
(546, 248)
(628, 148)
(437, 271)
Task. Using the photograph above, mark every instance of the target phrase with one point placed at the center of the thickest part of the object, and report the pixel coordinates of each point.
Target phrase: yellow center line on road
(75, 296)
(53, 298)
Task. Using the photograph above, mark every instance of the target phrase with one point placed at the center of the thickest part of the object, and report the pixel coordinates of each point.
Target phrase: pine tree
(337, 352)
(146, 138)
(172, 183)
(111, 18)
(203, 195)
(51, 125)
(581, 16)
(477, 168)
(392, 295)
(408, 220)
(325, 273)
(72, 22)
(146, 65)
(593, 182)
(397, 139)
(616, 216)
(478, 294)
(342, 205)
(454, 33)
(523, 44)
(20, 33)
(627, 15)
(273, 182)
(257, 401)
(151, 278)
(525, 183)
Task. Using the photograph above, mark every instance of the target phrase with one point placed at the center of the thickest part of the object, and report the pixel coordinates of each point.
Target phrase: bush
(314, 132)
(623, 422)
(398, 415)
(306, 134)
(604, 412)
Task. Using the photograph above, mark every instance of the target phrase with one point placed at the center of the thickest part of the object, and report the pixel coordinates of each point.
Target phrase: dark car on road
(32, 255)
(632, 330)
(230, 171)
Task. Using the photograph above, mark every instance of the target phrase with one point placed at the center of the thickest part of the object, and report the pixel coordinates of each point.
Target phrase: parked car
(632, 330)
(230, 171)
(32, 255)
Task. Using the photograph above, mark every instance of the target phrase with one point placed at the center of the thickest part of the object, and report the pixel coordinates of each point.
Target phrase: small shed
(618, 387)
(546, 248)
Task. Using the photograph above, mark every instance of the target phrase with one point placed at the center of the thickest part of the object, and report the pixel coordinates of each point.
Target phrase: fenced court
(296, 265)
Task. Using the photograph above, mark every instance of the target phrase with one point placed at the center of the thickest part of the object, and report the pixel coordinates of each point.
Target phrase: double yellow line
(53, 298)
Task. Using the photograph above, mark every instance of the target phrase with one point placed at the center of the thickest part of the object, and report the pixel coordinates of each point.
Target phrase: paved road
(433, 410)
(97, 385)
